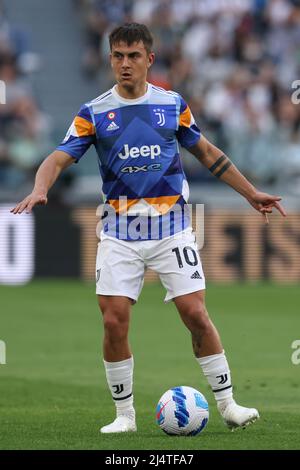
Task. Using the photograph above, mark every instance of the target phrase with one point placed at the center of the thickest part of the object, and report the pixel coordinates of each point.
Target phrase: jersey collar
(133, 101)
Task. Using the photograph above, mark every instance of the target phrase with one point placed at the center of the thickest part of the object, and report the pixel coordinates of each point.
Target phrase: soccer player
(135, 128)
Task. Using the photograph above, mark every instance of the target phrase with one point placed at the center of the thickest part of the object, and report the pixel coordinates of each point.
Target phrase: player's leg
(210, 355)
(205, 337)
(179, 266)
(118, 360)
(120, 275)
(116, 317)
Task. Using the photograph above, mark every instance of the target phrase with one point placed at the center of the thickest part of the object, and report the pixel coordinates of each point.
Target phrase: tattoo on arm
(221, 165)
(217, 163)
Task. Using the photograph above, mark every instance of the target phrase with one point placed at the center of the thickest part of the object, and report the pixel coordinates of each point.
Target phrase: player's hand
(265, 203)
(29, 202)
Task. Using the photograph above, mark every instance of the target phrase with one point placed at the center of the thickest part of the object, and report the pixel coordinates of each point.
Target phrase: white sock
(216, 370)
(119, 377)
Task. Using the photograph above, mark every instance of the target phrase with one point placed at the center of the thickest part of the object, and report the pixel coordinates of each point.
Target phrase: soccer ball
(182, 411)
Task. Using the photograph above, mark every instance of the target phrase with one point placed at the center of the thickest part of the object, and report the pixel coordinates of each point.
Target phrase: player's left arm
(221, 167)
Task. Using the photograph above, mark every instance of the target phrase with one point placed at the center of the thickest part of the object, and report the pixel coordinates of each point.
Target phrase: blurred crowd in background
(25, 132)
(234, 62)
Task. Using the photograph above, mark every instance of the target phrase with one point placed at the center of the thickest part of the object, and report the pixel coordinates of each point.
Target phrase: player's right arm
(80, 136)
(46, 176)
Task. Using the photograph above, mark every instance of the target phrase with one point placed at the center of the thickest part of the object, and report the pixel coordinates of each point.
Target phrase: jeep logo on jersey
(151, 151)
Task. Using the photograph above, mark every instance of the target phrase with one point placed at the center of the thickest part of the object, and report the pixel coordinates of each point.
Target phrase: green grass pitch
(53, 392)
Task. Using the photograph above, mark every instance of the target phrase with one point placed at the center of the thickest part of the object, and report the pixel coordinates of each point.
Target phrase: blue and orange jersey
(136, 141)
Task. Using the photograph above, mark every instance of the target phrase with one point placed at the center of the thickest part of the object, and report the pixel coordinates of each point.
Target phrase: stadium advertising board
(237, 246)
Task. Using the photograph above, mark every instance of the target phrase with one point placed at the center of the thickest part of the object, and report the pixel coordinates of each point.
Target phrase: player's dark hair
(130, 33)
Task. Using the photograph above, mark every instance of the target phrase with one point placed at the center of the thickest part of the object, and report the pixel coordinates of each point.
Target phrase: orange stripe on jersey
(185, 117)
(162, 203)
(83, 127)
(121, 206)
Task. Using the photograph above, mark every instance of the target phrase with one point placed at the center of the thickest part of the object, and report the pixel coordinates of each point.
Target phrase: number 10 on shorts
(189, 255)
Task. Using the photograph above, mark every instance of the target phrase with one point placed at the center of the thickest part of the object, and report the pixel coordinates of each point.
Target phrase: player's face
(130, 64)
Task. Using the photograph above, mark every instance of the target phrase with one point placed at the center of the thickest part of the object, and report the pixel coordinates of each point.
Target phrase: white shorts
(121, 265)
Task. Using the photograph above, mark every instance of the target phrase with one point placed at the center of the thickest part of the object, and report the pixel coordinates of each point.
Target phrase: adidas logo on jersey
(196, 275)
(151, 151)
(112, 126)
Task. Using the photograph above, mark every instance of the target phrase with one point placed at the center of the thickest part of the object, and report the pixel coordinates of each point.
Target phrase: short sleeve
(188, 132)
(80, 136)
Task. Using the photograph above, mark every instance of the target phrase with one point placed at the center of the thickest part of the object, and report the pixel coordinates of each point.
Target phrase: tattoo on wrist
(220, 166)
